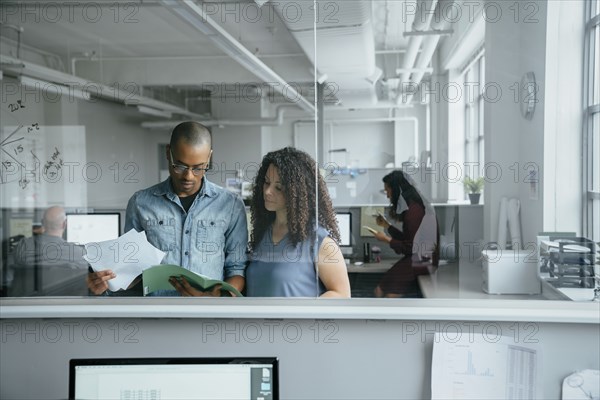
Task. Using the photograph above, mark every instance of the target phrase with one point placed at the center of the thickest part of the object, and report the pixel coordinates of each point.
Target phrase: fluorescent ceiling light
(55, 88)
(154, 111)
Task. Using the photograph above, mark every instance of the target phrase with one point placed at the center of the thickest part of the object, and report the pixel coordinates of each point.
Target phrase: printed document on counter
(476, 366)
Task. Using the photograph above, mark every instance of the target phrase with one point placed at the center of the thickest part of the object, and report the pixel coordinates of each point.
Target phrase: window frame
(474, 110)
(591, 130)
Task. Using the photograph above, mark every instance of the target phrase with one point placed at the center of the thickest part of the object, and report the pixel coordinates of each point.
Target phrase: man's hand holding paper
(118, 262)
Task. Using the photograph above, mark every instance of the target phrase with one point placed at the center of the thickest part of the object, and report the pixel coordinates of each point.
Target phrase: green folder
(157, 278)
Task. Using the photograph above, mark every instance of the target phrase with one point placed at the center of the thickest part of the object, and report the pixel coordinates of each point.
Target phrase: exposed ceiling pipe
(196, 17)
(381, 104)
(125, 95)
(353, 72)
(95, 57)
(276, 121)
(429, 45)
(423, 14)
(369, 120)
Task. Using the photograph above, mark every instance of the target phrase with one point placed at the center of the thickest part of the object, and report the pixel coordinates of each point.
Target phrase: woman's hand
(382, 222)
(382, 237)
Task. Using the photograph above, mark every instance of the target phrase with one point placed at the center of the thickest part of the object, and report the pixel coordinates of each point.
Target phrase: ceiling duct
(196, 17)
(276, 121)
(421, 23)
(429, 41)
(345, 45)
(50, 79)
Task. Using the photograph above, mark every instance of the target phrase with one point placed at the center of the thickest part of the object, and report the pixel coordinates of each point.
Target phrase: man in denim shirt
(200, 226)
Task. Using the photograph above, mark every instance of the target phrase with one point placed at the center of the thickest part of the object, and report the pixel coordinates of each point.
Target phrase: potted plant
(474, 188)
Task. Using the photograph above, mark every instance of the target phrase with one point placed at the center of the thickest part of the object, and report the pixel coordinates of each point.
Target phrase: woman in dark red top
(417, 241)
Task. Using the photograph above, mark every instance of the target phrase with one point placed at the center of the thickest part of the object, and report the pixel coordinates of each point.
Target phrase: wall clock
(528, 95)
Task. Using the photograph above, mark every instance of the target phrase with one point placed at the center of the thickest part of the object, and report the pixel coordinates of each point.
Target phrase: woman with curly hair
(290, 255)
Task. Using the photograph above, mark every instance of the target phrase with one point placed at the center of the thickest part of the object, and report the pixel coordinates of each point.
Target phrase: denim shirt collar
(165, 188)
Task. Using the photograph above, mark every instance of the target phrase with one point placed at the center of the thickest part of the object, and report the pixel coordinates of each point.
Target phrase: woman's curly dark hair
(399, 184)
(297, 175)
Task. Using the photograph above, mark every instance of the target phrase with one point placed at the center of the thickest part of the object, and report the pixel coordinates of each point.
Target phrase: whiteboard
(44, 165)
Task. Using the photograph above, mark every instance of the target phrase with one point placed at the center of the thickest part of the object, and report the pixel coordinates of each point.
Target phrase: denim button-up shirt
(210, 239)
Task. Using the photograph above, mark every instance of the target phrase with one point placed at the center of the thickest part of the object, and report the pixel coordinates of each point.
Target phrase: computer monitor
(344, 220)
(174, 378)
(93, 227)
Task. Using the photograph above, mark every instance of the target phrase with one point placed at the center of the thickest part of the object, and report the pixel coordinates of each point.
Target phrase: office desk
(463, 280)
(372, 268)
(364, 278)
(457, 280)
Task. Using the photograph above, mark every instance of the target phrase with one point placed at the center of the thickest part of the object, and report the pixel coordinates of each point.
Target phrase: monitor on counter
(93, 227)
(174, 378)
(344, 220)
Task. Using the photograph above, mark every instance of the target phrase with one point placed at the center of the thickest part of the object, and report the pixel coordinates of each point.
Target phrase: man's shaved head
(192, 133)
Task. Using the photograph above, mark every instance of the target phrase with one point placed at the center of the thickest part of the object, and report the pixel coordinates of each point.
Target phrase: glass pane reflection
(89, 102)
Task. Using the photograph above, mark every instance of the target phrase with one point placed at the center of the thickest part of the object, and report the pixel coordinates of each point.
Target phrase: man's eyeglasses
(182, 169)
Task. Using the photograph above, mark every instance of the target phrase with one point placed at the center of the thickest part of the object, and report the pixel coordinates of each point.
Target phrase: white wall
(551, 140)
(318, 359)
(512, 49)
(127, 153)
(280, 136)
(235, 147)
(367, 134)
(372, 135)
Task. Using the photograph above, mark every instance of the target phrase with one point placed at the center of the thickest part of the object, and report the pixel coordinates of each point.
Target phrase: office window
(474, 81)
(591, 123)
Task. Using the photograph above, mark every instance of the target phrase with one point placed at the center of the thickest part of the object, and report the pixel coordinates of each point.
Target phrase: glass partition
(394, 105)
(452, 99)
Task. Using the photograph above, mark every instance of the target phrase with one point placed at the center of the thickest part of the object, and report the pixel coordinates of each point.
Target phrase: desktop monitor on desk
(174, 378)
(344, 220)
(93, 227)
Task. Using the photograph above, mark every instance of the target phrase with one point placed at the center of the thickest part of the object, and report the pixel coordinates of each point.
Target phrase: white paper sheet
(502, 223)
(514, 223)
(126, 256)
(477, 367)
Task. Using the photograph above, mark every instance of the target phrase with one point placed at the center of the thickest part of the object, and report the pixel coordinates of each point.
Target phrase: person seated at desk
(284, 237)
(417, 241)
(47, 258)
(49, 249)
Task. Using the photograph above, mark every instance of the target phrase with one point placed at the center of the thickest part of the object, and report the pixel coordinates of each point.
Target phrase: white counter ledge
(370, 309)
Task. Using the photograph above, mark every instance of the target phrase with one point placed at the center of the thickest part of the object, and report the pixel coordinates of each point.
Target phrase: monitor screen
(96, 227)
(174, 378)
(344, 220)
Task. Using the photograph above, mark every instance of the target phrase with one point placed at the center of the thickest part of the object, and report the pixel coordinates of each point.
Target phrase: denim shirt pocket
(161, 233)
(211, 232)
